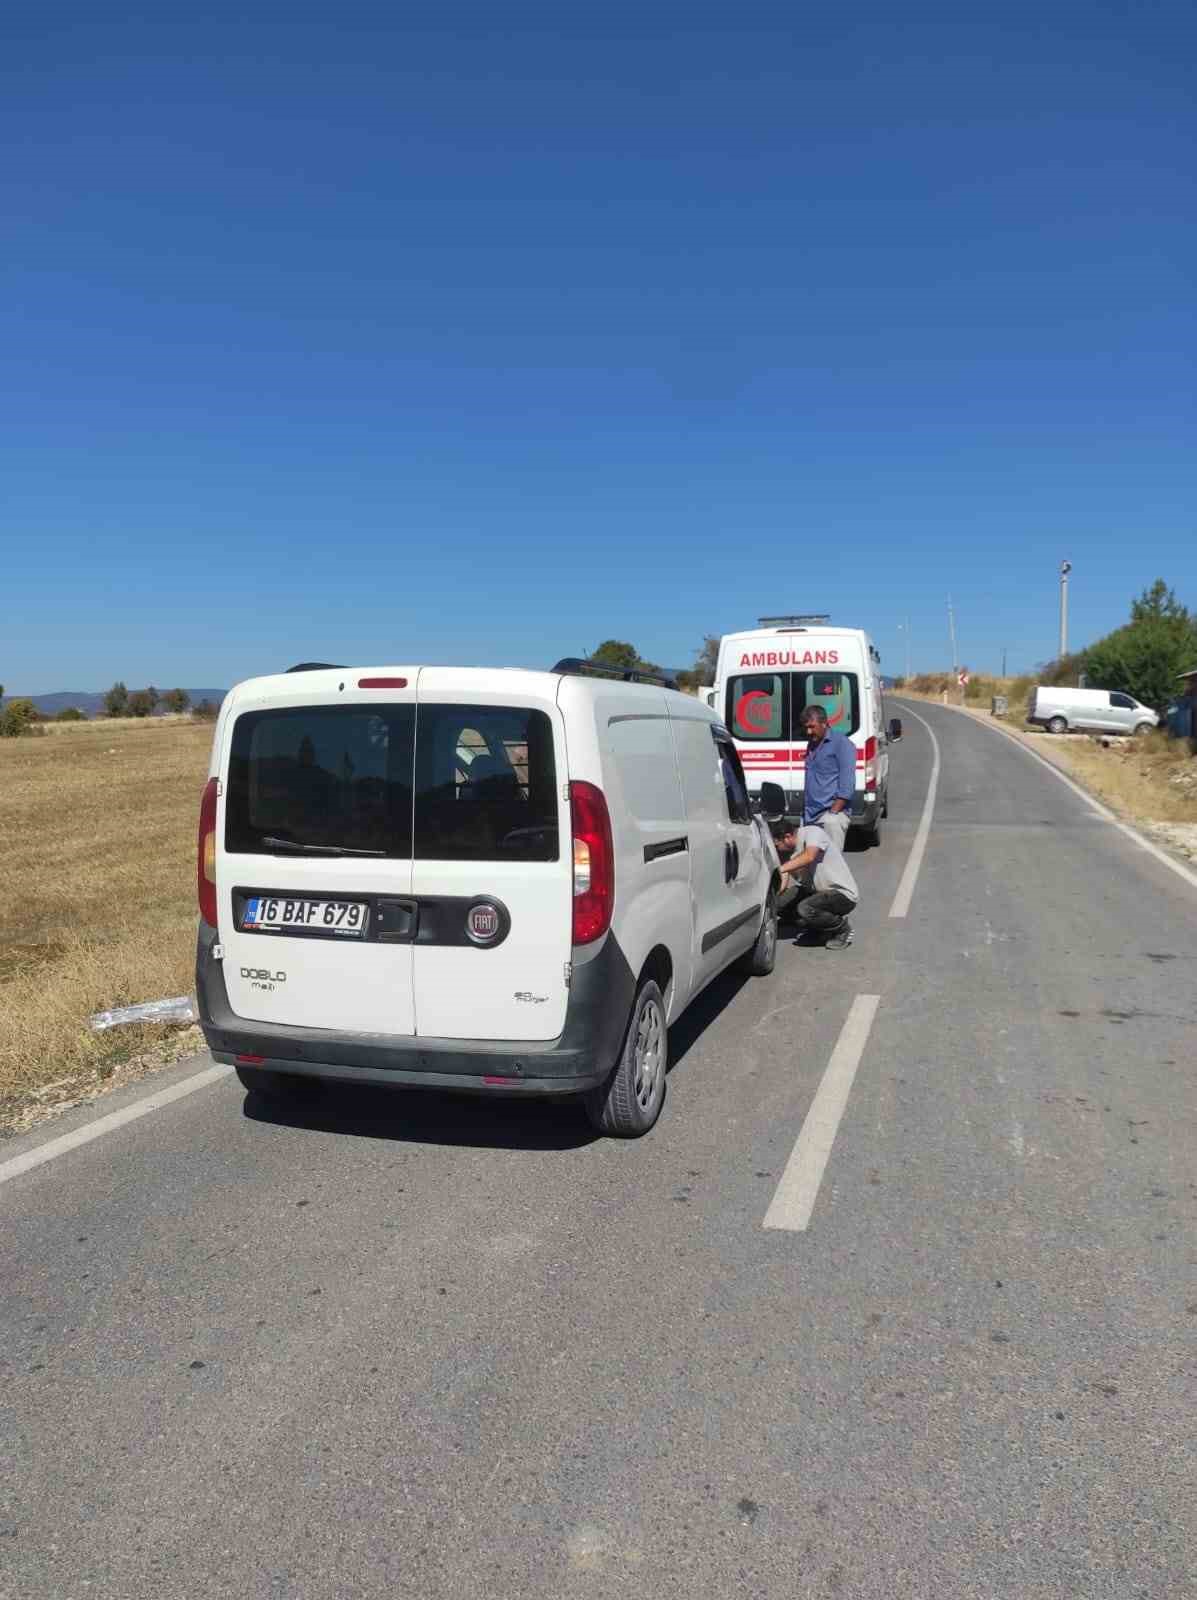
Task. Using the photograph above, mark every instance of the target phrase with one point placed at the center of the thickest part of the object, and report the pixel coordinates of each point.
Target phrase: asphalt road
(436, 1348)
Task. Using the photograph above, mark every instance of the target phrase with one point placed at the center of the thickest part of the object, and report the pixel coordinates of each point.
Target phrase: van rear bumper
(581, 1057)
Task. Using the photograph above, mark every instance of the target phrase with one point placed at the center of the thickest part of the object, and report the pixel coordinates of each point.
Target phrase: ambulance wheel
(873, 835)
(758, 962)
(630, 1101)
(280, 1086)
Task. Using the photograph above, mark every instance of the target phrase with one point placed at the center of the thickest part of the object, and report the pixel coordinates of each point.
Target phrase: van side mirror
(895, 730)
(773, 801)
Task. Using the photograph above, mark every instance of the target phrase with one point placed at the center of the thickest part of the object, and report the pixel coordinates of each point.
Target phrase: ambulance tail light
(870, 755)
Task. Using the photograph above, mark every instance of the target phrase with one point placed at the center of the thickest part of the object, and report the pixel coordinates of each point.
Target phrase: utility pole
(908, 649)
(1065, 569)
(1003, 661)
(952, 631)
(955, 660)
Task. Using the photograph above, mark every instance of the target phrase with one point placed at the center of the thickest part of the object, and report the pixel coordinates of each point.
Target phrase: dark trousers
(825, 910)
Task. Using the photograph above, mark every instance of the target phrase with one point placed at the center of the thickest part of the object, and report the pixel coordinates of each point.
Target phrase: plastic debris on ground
(179, 1009)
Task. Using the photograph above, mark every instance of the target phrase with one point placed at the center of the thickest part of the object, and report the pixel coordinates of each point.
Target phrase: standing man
(827, 888)
(830, 776)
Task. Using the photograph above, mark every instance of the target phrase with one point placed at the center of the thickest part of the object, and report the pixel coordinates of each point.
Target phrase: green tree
(702, 673)
(1159, 604)
(617, 653)
(205, 711)
(16, 719)
(70, 714)
(1143, 659)
(140, 704)
(116, 701)
(176, 700)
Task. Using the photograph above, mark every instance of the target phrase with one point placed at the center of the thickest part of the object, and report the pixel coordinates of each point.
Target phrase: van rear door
(314, 861)
(493, 869)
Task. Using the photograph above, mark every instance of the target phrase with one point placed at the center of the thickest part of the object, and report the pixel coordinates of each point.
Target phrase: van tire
(758, 962)
(873, 834)
(1057, 725)
(1142, 729)
(626, 1106)
(277, 1085)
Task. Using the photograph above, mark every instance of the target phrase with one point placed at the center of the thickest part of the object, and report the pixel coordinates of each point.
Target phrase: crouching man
(827, 890)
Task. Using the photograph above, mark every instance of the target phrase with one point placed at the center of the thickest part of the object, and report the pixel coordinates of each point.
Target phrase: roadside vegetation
(97, 899)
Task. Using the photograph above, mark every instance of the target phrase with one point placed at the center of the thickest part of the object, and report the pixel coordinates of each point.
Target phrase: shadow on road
(697, 1017)
(426, 1116)
(430, 1116)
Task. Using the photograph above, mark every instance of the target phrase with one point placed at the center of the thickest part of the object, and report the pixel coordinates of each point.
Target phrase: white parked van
(768, 674)
(1062, 710)
(498, 881)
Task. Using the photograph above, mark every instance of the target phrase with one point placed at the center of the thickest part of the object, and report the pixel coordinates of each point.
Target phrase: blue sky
(348, 332)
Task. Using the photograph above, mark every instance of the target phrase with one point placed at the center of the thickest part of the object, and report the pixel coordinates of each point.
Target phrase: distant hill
(91, 703)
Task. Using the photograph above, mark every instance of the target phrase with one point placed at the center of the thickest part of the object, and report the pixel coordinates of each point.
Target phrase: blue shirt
(830, 774)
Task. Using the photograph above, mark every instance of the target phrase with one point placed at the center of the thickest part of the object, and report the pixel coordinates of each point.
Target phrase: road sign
(962, 679)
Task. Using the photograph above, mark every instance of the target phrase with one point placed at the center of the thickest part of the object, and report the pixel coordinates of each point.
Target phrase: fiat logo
(483, 924)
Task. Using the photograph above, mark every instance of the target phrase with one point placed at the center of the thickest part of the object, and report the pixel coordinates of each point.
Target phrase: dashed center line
(794, 1201)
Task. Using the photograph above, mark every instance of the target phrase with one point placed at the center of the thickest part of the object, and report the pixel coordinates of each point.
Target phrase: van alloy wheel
(758, 962)
(649, 1056)
(1057, 725)
(769, 938)
(630, 1101)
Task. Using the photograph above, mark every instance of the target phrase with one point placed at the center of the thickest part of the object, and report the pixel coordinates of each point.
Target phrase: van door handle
(731, 861)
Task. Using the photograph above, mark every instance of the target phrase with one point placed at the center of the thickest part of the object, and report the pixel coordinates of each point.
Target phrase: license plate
(288, 914)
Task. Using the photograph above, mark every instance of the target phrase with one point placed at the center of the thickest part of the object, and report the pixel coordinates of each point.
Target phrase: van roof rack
(808, 616)
(316, 666)
(577, 667)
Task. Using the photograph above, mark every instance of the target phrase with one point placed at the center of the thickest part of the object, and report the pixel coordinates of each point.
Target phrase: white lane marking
(794, 1200)
(914, 861)
(1094, 805)
(114, 1119)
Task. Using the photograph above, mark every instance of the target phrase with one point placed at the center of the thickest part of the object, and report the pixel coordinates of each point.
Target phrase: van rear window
(486, 784)
(460, 783)
(322, 775)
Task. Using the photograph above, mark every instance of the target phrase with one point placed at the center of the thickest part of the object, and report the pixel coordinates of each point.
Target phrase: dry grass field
(97, 892)
(1153, 778)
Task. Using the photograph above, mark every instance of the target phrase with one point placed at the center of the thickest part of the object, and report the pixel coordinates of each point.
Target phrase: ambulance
(768, 674)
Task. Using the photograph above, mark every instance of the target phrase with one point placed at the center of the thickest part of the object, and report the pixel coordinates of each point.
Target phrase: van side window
(734, 784)
(1123, 700)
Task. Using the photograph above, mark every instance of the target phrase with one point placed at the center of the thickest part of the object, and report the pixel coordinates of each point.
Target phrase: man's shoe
(840, 938)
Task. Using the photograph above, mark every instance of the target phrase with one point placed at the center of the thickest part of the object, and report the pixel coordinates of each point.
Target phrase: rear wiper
(272, 843)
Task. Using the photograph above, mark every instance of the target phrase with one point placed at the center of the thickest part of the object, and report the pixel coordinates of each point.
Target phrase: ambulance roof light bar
(781, 622)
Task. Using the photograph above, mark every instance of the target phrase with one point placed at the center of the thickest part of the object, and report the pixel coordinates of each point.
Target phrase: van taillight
(870, 755)
(205, 864)
(594, 862)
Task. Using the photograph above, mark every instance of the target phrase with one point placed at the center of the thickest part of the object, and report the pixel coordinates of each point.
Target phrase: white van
(1061, 710)
(489, 880)
(768, 674)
